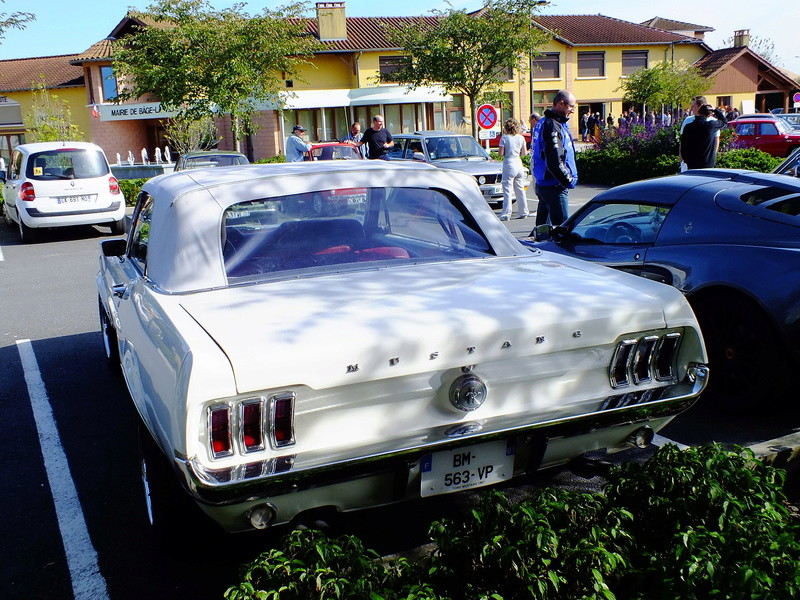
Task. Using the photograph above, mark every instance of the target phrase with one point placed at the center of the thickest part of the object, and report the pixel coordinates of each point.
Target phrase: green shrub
(131, 188)
(278, 158)
(749, 159)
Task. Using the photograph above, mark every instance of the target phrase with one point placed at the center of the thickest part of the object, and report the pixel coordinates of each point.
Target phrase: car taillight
(26, 192)
(251, 426)
(282, 420)
(113, 185)
(219, 425)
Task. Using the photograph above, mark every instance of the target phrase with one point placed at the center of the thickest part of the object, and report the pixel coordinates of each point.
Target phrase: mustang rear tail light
(251, 422)
(282, 417)
(26, 192)
(113, 185)
(642, 360)
(219, 425)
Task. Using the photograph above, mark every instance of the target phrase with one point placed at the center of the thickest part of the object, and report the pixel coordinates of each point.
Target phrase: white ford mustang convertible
(351, 334)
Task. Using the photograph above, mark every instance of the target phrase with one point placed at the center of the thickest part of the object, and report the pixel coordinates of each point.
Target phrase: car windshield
(67, 163)
(454, 146)
(783, 126)
(619, 223)
(345, 228)
(335, 152)
(213, 160)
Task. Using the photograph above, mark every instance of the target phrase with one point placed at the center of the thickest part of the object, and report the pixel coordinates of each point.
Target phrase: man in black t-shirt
(700, 131)
(378, 139)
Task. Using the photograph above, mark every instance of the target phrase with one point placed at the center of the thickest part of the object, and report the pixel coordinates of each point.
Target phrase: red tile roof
(23, 74)
(367, 33)
(599, 30)
(712, 63)
(101, 50)
(670, 25)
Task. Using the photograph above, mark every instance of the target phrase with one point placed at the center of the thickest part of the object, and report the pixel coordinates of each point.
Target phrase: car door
(769, 140)
(615, 234)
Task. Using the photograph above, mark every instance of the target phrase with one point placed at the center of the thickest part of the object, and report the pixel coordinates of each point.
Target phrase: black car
(728, 239)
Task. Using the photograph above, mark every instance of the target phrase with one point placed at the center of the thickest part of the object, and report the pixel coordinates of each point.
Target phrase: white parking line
(87, 581)
(1, 254)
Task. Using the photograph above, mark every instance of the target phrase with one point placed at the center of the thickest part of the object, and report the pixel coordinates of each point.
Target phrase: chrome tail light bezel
(642, 360)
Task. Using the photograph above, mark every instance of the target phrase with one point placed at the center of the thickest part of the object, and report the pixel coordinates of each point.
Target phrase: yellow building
(587, 54)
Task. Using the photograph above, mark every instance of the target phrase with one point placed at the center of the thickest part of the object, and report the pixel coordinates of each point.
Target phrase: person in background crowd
(377, 139)
(585, 127)
(610, 121)
(700, 135)
(553, 160)
(354, 135)
(296, 147)
(532, 121)
(591, 123)
(512, 148)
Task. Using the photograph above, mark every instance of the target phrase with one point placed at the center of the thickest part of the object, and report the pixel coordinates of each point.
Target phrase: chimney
(331, 22)
(741, 38)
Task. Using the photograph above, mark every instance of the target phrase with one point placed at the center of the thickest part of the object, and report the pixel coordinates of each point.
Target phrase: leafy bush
(699, 523)
(131, 188)
(748, 158)
(278, 158)
(625, 155)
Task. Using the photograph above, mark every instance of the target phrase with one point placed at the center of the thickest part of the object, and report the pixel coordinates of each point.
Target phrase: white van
(58, 184)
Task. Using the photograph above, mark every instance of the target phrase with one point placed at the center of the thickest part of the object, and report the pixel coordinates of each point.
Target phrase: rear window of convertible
(345, 228)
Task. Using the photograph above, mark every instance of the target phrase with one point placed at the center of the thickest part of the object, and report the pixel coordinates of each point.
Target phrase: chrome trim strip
(207, 488)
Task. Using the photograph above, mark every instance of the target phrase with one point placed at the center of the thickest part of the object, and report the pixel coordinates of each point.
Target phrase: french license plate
(468, 467)
(73, 199)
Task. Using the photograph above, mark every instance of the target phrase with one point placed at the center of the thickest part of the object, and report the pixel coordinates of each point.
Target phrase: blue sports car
(730, 241)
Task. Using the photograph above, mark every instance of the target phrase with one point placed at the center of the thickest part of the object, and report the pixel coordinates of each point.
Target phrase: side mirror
(543, 233)
(419, 156)
(114, 247)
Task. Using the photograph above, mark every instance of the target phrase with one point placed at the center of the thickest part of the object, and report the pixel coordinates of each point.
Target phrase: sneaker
(504, 217)
(523, 216)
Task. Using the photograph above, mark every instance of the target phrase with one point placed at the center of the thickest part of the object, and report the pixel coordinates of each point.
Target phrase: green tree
(469, 53)
(49, 118)
(185, 134)
(202, 62)
(15, 20)
(665, 83)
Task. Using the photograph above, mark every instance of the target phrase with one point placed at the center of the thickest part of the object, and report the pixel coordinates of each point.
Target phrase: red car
(771, 134)
(495, 142)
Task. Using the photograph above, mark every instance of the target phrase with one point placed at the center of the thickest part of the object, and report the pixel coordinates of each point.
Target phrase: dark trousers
(553, 204)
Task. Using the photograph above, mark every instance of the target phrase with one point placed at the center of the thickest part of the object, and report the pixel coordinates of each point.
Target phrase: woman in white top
(512, 149)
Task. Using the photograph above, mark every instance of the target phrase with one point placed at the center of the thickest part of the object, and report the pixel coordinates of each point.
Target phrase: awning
(390, 94)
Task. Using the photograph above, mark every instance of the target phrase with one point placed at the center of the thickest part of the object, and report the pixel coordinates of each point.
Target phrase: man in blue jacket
(553, 158)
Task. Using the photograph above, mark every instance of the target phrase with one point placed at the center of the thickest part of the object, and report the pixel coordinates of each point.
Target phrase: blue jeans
(553, 207)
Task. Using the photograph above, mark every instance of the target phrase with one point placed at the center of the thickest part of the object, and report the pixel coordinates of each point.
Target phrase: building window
(455, 110)
(109, 83)
(389, 64)
(546, 66)
(543, 100)
(726, 101)
(591, 64)
(633, 60)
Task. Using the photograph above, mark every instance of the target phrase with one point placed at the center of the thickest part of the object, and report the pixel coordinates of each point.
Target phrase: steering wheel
(623, 233)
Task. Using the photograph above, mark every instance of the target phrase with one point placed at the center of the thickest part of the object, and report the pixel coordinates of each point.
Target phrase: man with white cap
(295, 146)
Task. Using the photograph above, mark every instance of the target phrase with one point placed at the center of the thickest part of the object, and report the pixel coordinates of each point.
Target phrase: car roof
(434, 133)
(45, 146)
(194, 153)
(667, 190)
(188, 208)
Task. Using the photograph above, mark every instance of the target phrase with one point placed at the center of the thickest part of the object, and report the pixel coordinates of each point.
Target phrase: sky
(70, 28)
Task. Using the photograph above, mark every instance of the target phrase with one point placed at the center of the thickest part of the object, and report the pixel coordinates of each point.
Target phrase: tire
(175, 521)
(745, 358)
(118, 227)
(27, 235)
(110, 340)
(6, 219)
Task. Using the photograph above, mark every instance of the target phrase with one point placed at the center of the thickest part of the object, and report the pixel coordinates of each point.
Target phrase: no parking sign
(488, 121)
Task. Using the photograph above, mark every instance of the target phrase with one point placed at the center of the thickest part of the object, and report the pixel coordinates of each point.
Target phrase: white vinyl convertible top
(185, 253)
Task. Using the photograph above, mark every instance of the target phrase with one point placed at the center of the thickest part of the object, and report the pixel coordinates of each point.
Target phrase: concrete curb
(783, 453)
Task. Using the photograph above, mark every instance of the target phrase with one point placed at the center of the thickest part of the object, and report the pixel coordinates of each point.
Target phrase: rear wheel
(27, 235)
(6, 219)
(175, 521)
(109, 333)
(744, 352)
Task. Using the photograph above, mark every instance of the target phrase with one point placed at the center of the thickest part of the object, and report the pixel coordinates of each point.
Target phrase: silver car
(449, 150)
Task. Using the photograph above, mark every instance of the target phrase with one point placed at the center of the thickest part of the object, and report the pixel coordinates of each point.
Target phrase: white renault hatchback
(59, 184)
